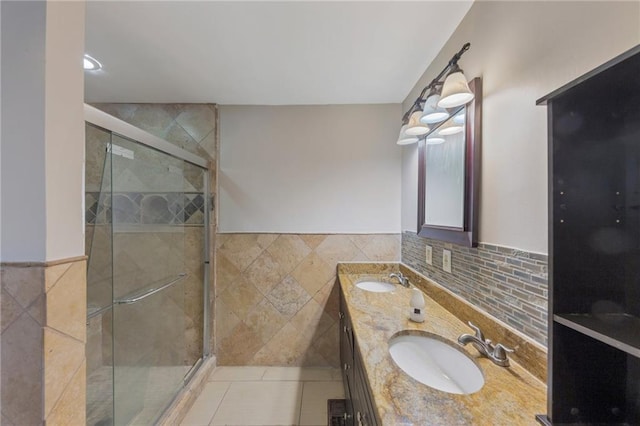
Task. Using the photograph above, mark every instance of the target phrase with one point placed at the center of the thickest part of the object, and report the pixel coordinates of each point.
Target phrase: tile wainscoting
(507, 283)
(43, 338)
(277, 296)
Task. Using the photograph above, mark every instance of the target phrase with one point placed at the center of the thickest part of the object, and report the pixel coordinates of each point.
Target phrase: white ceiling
(264, 53)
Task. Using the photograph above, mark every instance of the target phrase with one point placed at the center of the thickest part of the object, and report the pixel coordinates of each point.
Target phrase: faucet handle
(500, 351)
(479, 333)
(404, 281)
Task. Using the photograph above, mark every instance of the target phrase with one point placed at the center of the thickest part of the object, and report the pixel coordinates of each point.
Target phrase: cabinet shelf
(622, 331)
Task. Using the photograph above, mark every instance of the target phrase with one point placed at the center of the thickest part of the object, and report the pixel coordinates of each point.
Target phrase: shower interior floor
(160, 385)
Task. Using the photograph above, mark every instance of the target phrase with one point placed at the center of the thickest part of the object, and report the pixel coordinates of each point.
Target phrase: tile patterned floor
(266, 396)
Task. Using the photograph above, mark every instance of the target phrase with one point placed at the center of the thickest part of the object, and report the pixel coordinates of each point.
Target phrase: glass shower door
(99, 247)
(149, 276)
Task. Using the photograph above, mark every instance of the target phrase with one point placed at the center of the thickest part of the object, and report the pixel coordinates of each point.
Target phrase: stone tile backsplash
(507, 283)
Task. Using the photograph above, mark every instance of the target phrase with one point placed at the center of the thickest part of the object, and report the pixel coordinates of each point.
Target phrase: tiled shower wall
(193, 127)
(146, 231)
(507, 283)
(277, 296)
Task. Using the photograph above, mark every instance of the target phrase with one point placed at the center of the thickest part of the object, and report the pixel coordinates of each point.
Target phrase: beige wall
(42, 130)
(522, 50)
(309, 169)
(64, 129)
(277, 296)
(23, 153)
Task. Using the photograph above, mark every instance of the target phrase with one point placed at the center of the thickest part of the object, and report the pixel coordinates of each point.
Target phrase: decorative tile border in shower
(509, 284)
(145, 208)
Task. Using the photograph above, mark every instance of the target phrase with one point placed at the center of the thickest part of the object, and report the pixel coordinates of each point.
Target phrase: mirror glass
(449, 173)
(445, 173)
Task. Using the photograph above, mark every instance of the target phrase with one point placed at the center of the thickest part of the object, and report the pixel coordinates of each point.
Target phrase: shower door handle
(150, 292)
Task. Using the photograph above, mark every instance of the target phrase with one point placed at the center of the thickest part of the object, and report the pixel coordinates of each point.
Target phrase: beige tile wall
(193, 127)
(277, 297)
(189, 126)
(137, 267)
(42, 342)
(21, 343)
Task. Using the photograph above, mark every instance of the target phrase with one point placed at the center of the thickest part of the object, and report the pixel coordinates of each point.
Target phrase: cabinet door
(346, 360)
(364, 414)
(359, 404)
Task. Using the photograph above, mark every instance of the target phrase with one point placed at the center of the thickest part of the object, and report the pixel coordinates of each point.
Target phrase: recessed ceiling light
(91, 64)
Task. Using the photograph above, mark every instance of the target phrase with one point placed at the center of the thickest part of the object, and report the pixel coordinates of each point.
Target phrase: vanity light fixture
(404, 139)
(432, 109)
(415, 127)
(91, 64)
(455, 91)
(432, 113)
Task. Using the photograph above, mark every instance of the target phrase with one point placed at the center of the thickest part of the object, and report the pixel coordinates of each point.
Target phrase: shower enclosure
(147, 215)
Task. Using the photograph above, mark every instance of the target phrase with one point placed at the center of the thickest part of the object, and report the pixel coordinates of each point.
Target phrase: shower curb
(181, 404)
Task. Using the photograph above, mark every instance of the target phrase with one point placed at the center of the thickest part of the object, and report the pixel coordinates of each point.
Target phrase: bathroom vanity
(380, 393)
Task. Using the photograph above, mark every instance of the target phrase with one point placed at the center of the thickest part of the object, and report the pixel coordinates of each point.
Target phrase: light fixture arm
(452, 64)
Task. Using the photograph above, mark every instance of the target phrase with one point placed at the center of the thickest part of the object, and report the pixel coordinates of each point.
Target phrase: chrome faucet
(404, 281)
(496, 353)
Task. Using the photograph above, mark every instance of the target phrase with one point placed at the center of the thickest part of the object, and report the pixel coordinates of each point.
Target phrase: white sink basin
(435, 363)
(376, 286)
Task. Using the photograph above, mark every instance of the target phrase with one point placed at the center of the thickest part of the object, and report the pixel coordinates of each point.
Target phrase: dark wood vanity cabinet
(594, 247)
(360, 409)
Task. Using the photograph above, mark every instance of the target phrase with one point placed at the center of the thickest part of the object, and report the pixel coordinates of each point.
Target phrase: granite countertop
(510, 395)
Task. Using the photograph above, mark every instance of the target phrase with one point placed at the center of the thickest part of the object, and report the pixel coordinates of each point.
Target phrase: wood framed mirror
(449, 175)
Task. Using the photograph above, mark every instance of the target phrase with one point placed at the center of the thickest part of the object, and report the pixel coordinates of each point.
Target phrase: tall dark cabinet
(594, 246)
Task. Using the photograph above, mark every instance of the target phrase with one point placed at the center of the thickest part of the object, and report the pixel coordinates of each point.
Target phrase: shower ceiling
(264, 53)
